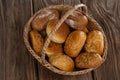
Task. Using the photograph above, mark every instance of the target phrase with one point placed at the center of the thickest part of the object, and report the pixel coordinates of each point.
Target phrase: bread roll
(88, 60)
(95, 42)
(74, 43)
(77, 20)
(62, 62)
(36, 40)
(41, 19)
(61, 34)
(54, 49)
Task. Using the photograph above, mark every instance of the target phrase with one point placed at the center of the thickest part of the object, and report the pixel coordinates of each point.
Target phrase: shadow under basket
(93, 25)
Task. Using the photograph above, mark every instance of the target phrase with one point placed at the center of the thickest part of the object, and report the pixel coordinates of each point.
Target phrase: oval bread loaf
(54, 49)
(74, 43)
(36, 40)
(62, 62)
(95, 42)
(40, 21)
(61, 34)
(77, 20)
(88, 60)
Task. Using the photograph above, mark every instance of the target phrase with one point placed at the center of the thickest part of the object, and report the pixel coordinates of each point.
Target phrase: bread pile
(73, 46)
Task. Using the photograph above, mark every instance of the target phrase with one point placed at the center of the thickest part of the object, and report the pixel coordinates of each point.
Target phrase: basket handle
(46, 44)
(83, 6)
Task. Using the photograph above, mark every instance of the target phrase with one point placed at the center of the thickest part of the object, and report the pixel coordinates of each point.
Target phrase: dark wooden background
(17, 64)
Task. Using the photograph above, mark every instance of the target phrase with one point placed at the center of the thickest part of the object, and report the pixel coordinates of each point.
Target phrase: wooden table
(17, 64)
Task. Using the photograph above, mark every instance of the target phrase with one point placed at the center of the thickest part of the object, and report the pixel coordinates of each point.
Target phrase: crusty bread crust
(95, 42)
(74, 43)
(40, 21)
(36, 40)
(61, 34)
(62, 62)
(88, 60)
(54, 49)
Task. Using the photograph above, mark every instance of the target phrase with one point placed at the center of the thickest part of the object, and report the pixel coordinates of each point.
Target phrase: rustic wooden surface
(17, 64)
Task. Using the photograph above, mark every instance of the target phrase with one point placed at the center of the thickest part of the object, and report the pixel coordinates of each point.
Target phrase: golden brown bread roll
(74, 43)
(54, 49)
(41, 19)
(95, 42)
(88, 60)
(61, 34)
(36, 40)
(77, 20)
(62, 62)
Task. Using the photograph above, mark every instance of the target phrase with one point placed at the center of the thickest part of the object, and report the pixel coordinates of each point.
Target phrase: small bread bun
(36, 40)
(88, 60)
(74, 43)
(77, 20)
(54, 49)
(41, 19)
(61, 34)
(95, 42)
(62, 62)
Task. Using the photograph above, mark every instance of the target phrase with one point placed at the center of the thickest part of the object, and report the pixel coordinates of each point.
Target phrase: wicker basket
(93, 25)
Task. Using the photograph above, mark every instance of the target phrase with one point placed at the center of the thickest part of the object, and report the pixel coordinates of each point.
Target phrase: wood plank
(15, 63)
(42, 71)
(2, 41)
(107, 13)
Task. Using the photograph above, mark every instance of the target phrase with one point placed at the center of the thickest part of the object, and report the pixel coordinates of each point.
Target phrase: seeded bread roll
(74, 43)
(36, 40)
(40, 21)
(61, 34)
(62, 62)
(95, 42)
(88, 60)
(54, 49)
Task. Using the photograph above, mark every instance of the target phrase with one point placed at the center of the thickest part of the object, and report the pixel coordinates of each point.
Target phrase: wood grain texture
(44, 73)
(49, 75)
(2, 42)
(15, 63)
(107, 13)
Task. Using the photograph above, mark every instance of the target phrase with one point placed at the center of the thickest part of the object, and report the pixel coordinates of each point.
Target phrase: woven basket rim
(45, 63)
